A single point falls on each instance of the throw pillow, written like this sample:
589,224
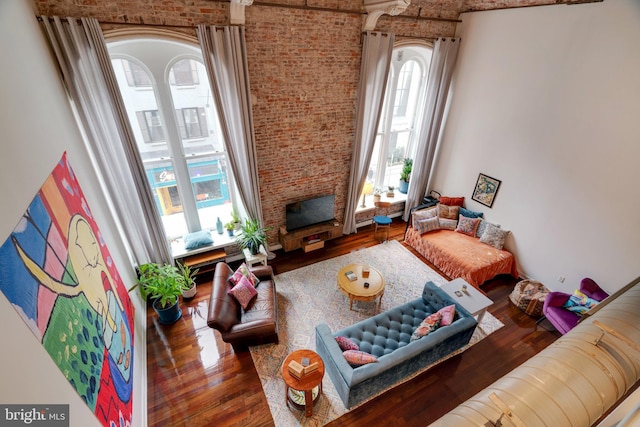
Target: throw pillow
483,226
346,344
471,214
494,236
579,303
428,325
426,225
467,226
197,239
448,224
243,292
452,201
243,271
423,214
357,358
448,313
448,212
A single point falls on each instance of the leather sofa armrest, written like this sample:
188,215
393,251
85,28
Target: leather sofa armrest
224,310
263,272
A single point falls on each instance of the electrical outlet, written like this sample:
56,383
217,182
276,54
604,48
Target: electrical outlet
561,279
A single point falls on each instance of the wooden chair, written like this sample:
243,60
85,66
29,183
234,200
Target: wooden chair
381,218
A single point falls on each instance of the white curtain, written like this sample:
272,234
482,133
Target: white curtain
84,62
377,49
225,58
445,52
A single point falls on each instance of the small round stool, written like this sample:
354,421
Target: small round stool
528,296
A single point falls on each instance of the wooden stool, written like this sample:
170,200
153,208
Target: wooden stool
306,384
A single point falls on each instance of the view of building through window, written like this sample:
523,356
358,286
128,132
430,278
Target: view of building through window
401,114
166,92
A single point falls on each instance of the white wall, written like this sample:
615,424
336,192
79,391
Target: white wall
547,100
36,127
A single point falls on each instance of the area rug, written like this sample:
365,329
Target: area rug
310,295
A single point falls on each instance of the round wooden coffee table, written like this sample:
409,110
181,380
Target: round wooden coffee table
306,389
355,290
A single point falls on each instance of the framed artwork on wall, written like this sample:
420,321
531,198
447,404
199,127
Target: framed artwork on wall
486,189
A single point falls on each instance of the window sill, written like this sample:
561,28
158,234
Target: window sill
396,199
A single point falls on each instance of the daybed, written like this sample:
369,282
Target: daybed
460,255
388,337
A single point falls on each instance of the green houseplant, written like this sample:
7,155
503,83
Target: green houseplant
252,235
162,283
405,175
230,226
189,279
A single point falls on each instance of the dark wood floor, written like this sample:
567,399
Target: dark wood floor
196,379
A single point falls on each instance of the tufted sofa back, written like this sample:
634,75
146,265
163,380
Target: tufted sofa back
392,329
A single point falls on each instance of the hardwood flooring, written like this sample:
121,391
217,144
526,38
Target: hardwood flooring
196,379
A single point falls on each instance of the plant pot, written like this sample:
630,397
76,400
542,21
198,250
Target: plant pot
191,292
403,187
168,315
253,249
230,233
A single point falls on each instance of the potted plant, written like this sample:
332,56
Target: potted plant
377,195
235,219
162,283
230,226
390,191
252,235
405,175
189,278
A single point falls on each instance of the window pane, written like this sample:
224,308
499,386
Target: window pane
211,188
184,73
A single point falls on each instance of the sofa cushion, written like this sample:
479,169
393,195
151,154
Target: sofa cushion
471,214
243,292
359,358
482,225
426,225
243,271
579,303
448,224
448,314
346,344
423,214
427,326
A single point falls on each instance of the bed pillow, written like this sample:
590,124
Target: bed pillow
346,344
471,214
426,225
448,212
243,271
467,226
482,225
243,292
452,201
494,236
197,239
423,214
357,358
447,224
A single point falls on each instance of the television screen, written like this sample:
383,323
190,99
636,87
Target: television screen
309,212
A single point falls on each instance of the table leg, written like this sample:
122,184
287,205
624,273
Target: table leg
308,403
481,315
286,395
350,303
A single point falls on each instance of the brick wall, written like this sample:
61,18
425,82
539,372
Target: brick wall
303,69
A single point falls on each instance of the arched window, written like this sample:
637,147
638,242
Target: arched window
401,113
165,89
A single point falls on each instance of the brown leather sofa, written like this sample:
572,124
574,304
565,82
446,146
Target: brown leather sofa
242,328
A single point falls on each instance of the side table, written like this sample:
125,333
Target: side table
259,258
474,301
306,384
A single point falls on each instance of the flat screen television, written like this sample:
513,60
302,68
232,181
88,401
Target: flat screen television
310,212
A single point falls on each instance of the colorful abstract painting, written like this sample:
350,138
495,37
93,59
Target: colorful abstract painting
57,272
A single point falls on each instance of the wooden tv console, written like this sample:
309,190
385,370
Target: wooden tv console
310,238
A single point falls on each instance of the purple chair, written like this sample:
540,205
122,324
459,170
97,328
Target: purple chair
563,319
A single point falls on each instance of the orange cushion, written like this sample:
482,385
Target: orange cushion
452,201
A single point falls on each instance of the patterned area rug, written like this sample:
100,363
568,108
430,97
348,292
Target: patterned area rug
310,295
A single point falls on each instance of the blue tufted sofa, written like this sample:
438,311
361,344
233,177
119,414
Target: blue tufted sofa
387,336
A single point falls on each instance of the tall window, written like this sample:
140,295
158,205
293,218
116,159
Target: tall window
401,113
177,131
